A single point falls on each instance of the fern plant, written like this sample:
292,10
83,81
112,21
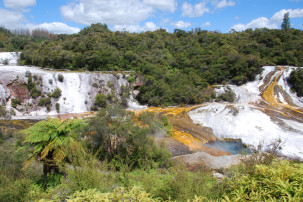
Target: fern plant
51,140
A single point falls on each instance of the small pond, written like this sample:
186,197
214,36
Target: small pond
233,147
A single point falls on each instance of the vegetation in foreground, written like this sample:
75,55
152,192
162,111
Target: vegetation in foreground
114,157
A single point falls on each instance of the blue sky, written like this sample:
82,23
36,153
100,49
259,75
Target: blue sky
69,16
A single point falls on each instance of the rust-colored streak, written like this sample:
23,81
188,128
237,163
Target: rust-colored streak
269,96
185,131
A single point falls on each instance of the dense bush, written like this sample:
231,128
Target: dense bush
44,101
60,77
15,102
279,181
229,96
56,93
296,80
100,100
57,107
117,138
176,66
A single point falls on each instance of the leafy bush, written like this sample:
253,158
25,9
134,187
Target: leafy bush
296,80
58,107
35,92
15,102
60,77
279,181
100,100
56,94
131,79
228,96
119,194
132,146
45,102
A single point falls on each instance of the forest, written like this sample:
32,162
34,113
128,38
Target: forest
177,67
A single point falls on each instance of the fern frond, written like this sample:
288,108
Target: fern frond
59,155
45,152
28,162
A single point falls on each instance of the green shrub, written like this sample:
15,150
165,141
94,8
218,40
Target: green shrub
100,100
228,96
119,194
35,92
60,77
131,79
94,108
58,107
296,80
133,146
56,94
45,102
41,102
15,102
281,181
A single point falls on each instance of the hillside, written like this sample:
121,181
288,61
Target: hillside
177,66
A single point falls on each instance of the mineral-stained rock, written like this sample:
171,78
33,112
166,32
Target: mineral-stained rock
19,90
207,160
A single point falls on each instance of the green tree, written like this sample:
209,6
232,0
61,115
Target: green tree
51,140
118,138
286,22
101,100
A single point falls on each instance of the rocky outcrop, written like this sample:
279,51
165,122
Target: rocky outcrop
78,90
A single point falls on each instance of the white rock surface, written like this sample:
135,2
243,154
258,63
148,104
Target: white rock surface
78,91
245,121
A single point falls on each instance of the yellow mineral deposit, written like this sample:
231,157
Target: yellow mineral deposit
269,95
194,144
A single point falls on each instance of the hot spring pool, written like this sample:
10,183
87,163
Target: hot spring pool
233,147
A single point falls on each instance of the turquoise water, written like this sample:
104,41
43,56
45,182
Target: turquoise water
233,147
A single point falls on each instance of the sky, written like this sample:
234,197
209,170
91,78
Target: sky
70,16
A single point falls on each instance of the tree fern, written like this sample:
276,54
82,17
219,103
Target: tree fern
50,139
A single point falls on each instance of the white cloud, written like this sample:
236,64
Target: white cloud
16,20
260,22
180,24
18,4
196,10
10,19
278,16
273,23
114,12
170,5
222,3
55,28
148,26
206,24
